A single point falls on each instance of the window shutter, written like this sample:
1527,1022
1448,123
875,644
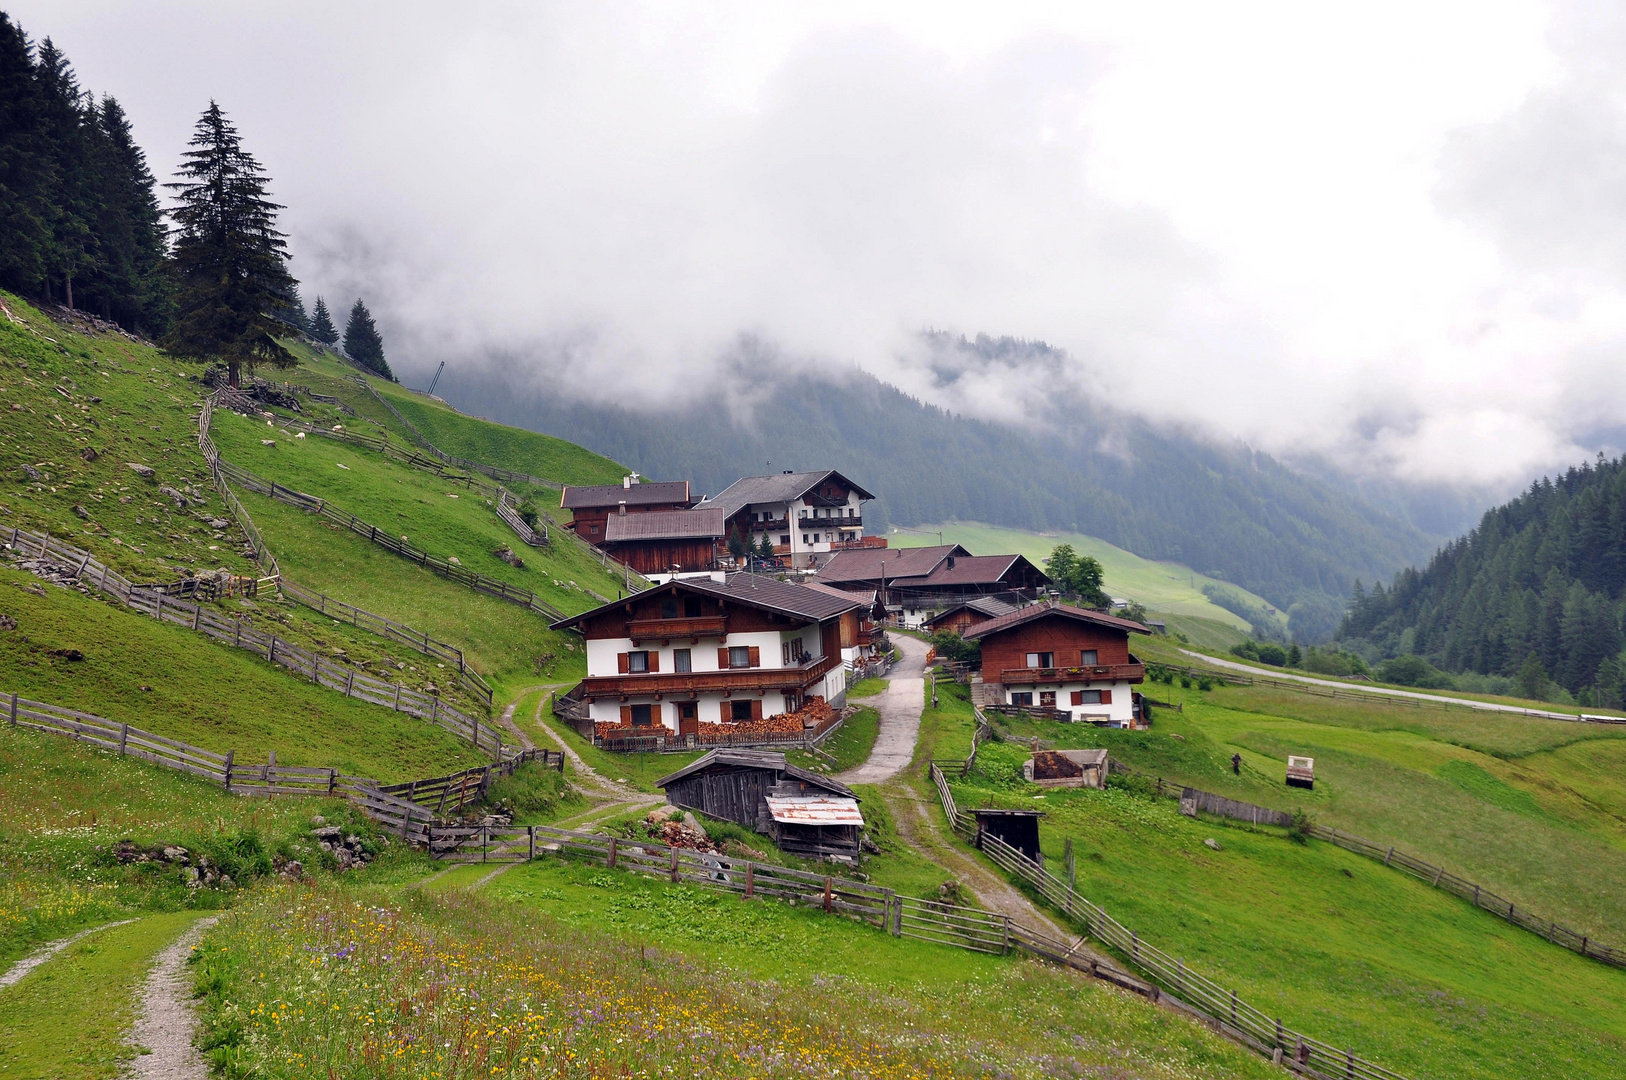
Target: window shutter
626,711
756,706
654,660
756,661
621,662
1106,697
1078,697
722,659
784,654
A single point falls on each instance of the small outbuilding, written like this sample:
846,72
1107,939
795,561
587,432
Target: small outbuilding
1300,772
1066,768
803,812
1018,828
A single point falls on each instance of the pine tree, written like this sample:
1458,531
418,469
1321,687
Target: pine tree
26,172
72,250
229,257
292,311
322,328
362,343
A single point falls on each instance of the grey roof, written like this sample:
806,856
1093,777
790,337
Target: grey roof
658,492
757,759
664,525
982,605
1039,611
753,590
873,564
778,488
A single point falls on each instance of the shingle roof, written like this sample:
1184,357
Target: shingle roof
594,496
971,570
778,488
1039,611
982,605
752,590
664,525
872,564
756,759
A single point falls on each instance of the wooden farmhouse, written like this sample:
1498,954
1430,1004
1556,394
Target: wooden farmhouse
1065,659
803,514
590,506
916,582
865,647
959,618
703,658
802,812
666,541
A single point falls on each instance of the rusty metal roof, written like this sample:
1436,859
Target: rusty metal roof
814,810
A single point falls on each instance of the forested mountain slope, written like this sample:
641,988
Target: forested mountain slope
1543,576
1222,509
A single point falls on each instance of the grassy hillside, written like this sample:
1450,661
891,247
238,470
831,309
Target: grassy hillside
1160,586
1335,944
179,684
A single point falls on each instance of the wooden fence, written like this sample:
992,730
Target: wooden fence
1219,1003
388,628
402,809
1209,803
342,677
1438,877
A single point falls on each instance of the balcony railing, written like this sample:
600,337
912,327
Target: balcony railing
1135,672
710,626
709,682
770,525
830,523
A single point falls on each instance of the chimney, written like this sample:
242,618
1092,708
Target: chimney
622,508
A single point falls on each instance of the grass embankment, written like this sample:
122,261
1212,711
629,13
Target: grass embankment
1161,586
173,682
90,404
1337,945
570,970
67,1019
849,747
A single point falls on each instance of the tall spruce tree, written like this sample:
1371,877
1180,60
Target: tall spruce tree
322,328
362,342
230,259
26,167
292,311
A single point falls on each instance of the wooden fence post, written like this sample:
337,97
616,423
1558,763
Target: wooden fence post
14,708
610,861
124,736
674,870
533,842
229,755
827,894
750,881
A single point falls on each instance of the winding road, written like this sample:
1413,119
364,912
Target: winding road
900,706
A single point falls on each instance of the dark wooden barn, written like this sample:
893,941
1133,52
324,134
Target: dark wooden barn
802,812
1018,828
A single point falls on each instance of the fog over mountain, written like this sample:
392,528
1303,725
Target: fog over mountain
1388,238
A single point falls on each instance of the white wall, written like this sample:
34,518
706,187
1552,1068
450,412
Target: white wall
1120,713
602,652
711,708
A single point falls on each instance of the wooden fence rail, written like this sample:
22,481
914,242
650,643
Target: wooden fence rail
240,634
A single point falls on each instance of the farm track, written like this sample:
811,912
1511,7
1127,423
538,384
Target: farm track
900,707
168,1020
591,781
15,973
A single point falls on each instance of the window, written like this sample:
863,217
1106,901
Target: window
1088,658
1047,699
681,661
669,607
1086,697
804,538
784,541
691,607
637,661
739,710
792,651
1025,698
643,715
1041,659
593,529
739,656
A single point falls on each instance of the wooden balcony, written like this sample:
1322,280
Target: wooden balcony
710,626
1134,672
830,523
682,684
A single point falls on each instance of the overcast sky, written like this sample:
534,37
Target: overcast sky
1395,233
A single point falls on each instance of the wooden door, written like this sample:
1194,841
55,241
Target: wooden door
688,718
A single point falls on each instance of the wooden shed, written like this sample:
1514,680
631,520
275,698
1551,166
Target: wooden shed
1300,772
802,812
1018,828
1066,768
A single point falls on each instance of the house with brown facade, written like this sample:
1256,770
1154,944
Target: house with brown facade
665,541
916,582
1058,657
591,505
958,618
709,658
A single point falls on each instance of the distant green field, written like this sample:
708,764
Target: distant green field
1160,586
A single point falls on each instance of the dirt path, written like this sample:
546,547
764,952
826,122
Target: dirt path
900,708
34,959
168,1022
593,783
507,721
